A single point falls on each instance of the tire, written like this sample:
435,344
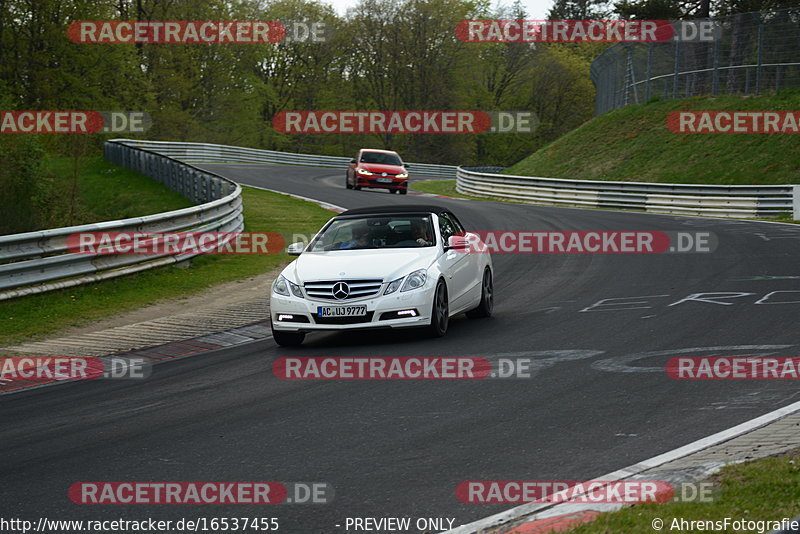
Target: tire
347,183
403,191
486,305
440,311
288,339
356,187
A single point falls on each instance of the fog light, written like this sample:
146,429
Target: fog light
291,318
409,313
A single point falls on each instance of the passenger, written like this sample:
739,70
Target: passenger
419,232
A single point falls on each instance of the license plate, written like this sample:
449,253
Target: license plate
385,180
341,311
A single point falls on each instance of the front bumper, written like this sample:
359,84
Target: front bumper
373,182
304,312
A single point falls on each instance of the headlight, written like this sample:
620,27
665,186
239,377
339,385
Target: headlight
363,171
393,286
402,175
281,286
415,280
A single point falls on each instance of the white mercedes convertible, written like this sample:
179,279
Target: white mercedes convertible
382,267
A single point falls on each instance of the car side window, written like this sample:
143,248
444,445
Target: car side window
446,227
457,224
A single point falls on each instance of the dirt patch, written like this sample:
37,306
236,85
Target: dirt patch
228,293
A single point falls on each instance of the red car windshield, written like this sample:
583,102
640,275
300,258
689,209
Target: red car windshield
381,158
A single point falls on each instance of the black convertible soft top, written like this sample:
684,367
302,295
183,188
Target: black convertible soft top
395,210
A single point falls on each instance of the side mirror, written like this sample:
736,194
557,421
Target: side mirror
406,165
352,161
295,249
456,242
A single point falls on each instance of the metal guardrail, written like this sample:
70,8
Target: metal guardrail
740,201
35,262
211,153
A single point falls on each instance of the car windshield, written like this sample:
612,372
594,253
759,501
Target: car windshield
380,157
377,232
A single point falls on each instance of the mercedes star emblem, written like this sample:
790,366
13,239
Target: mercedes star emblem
341,290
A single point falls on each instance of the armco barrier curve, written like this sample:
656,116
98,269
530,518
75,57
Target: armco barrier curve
742,201
35,262
209,153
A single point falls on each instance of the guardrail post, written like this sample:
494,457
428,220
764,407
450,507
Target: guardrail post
760,55
676,68
648,72
715,76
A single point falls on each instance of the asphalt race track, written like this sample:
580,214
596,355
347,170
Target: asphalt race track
596,402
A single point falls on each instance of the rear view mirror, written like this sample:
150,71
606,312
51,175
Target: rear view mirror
295,249
456,242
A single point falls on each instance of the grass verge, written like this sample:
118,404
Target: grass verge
760,490
634,144
35,316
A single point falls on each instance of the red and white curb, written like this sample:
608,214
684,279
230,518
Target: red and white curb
558,523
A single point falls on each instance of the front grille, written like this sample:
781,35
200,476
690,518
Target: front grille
344,320
356,289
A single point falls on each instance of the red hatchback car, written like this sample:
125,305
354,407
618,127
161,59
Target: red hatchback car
380,169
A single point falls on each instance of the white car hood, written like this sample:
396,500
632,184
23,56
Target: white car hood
388,264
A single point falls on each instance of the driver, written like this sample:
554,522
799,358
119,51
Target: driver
419,232
360,238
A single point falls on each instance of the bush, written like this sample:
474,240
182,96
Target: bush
24,187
